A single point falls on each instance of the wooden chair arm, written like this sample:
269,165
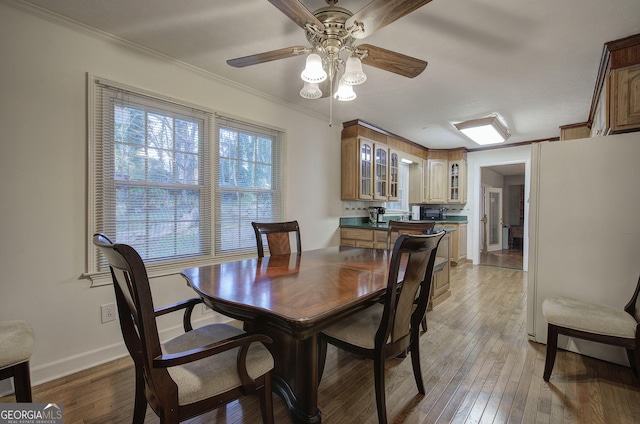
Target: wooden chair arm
241,340
187,305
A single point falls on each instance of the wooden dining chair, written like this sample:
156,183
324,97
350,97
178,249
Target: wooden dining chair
595,322
407,227
385,330
193,373
277,234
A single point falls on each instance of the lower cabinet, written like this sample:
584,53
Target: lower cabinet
458,244
440,284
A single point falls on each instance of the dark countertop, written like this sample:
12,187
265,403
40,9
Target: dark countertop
440,224
363,222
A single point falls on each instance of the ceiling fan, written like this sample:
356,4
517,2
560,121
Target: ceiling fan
332,32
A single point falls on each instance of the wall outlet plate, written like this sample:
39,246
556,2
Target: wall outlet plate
108,312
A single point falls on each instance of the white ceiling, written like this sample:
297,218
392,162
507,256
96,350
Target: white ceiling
533,62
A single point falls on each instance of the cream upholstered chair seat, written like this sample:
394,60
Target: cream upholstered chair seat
594,322
587,316
16,347
214,375
360,329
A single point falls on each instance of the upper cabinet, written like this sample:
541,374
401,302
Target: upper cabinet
370,168
624,105
436,181
394,174
457,181
615,105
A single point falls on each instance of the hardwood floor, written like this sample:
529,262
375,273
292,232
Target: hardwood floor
507,258
477,364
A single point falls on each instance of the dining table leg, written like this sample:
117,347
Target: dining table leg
295,376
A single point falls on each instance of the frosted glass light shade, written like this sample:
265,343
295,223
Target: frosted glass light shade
313,71
345,92
353,74
311,91
484,131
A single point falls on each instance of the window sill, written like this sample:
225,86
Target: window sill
103,278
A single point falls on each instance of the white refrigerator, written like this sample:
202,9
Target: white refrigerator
584,229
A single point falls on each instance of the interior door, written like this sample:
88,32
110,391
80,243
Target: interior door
493,222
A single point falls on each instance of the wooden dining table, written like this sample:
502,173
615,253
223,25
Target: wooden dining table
292,298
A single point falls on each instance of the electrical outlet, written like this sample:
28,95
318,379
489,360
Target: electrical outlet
108,312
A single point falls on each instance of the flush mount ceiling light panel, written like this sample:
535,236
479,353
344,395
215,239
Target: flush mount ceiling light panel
334,62
489,130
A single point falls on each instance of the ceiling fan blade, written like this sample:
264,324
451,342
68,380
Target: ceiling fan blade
380,13
388,60
255,59
298,13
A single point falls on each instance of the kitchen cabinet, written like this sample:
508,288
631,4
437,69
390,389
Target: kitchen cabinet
381,168
458,244
436,181
357,237
394,175
440,283
369,170
457,180
624,101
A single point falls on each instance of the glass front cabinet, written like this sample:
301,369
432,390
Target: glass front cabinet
370,170
457,192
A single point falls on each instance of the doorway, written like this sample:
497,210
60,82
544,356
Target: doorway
502,216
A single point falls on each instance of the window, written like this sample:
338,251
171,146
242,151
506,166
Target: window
157,168
150,178
402,205
248,184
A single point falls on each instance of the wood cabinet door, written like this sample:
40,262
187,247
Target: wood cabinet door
457,181
624,104
381,172
394,175
365,175
437,181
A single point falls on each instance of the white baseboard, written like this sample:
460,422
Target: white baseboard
57,369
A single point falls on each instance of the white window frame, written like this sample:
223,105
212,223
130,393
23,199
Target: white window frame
100,277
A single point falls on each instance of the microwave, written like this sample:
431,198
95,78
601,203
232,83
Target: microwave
432,214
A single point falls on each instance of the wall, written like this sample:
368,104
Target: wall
43,178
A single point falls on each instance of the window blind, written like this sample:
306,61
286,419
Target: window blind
151,174
248,183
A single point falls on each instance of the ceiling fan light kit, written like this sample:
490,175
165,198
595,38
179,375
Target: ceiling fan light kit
345,92
332,32
313,71
311,91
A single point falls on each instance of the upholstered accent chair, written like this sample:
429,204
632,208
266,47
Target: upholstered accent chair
595,322
195,372
277,234
16,346
386,330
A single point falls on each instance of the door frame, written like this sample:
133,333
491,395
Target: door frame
477,198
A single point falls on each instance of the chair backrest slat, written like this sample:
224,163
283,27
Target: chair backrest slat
277,235
407,227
